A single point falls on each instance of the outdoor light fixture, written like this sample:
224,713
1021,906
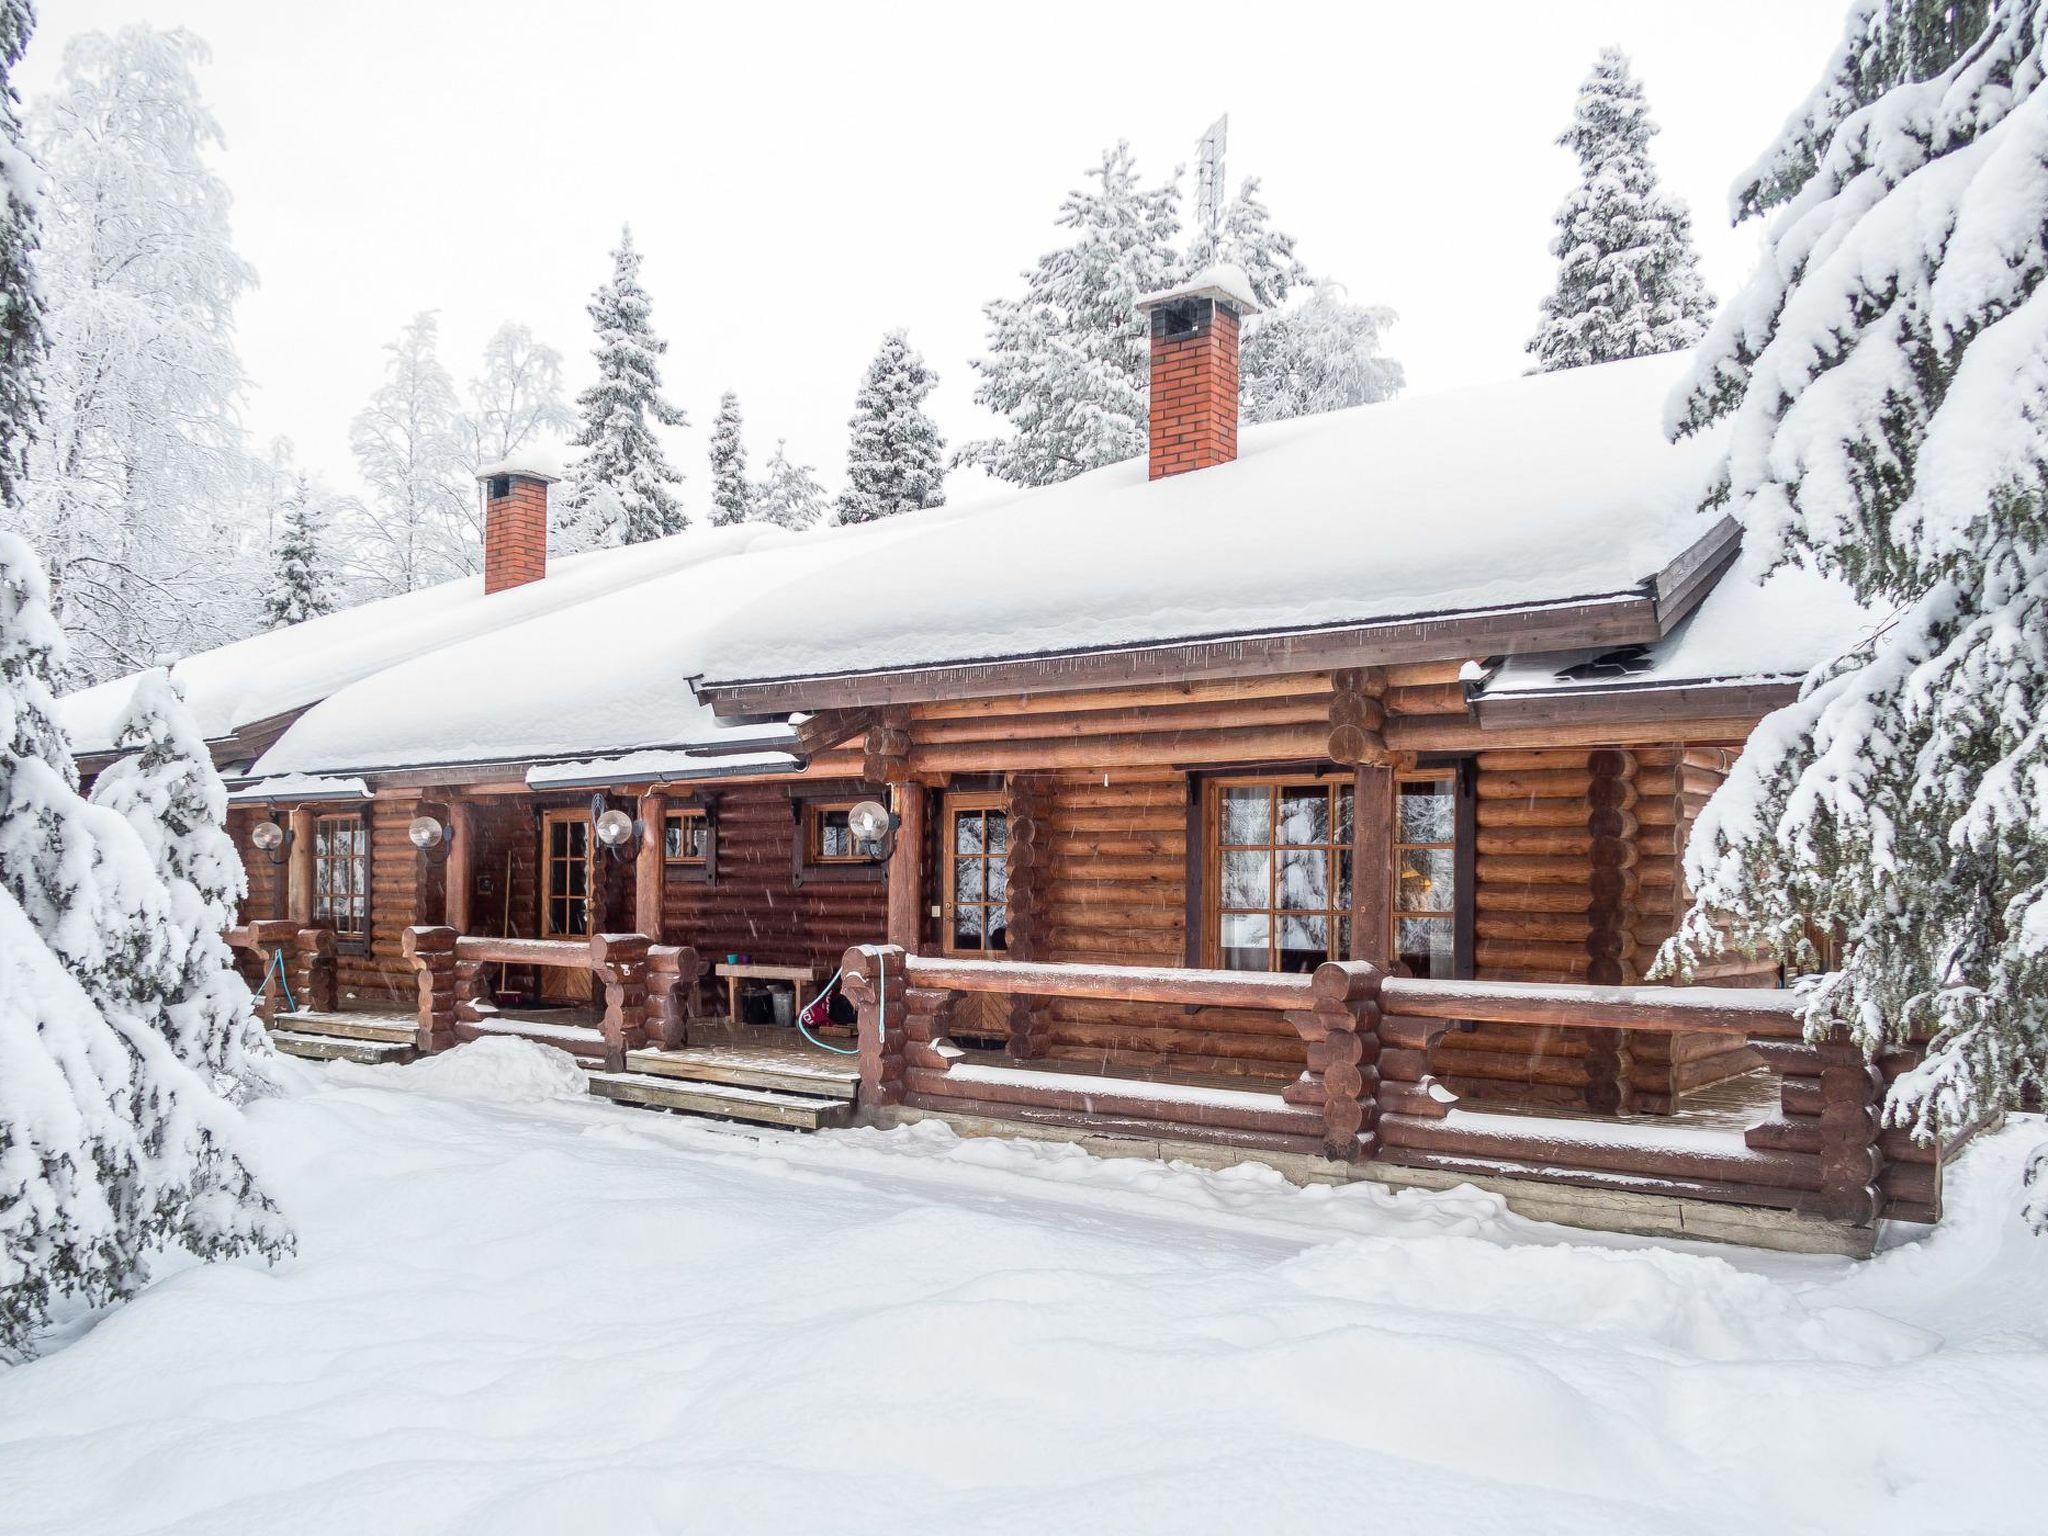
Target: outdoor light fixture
873,822
613,828
272,841
427,833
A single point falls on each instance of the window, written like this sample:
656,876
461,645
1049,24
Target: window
1281,873
1425,904
977,875
829,840
565,874
341,873
687,838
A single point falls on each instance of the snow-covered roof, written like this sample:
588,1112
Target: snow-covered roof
271,674
656,767
542,461
1744,631
607,676
299,787
1537,490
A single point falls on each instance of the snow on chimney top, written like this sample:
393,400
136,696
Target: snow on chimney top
515,520
1194,369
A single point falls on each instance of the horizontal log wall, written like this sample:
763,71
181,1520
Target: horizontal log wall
756,908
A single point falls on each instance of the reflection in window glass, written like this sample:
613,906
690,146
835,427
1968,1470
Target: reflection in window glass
1282,867
978,879
1426,874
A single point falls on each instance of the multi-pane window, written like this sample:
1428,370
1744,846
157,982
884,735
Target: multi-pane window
565,875
1425,903
1282,862
686,838
828,839
341,873
977,876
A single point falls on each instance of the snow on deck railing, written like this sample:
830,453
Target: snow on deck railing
1366,1091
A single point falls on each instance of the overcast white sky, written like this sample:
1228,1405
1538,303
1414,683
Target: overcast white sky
802,179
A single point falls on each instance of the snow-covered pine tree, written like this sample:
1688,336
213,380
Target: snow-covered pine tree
1068,364
622,488
22,336
1628,281
410,444
166,788
895,458
1246,239
111,1147
134,490
1320,354
789,494
1884,376
301,583
732,494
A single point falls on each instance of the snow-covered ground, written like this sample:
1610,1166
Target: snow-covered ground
518,1310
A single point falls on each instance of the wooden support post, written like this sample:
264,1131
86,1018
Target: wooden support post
313,980
619,962
298,904
1851,1161
650,867
1343,1047
673,972
1610,946
461,872
905,924
873,977
1372,864
432,953
1029,811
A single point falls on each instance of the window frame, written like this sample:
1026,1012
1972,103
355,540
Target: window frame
356,939
551,817
806,809
954,803
702,867
1213,791
1460,773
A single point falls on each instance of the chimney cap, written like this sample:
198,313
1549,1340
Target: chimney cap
1221,281
533,463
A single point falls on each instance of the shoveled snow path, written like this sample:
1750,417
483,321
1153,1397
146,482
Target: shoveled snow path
517,1310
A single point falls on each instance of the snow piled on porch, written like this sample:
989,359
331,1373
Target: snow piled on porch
517,1310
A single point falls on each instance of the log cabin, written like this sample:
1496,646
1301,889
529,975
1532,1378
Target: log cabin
1314,791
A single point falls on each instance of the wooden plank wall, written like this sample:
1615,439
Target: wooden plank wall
757,908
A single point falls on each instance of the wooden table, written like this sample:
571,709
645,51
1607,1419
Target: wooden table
798,976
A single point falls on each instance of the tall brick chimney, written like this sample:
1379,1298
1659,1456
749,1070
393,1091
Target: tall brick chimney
1194,369
515,523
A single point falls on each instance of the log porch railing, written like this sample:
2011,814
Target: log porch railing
1367,1092
309,963
646,986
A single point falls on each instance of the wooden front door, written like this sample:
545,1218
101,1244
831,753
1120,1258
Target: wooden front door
974,840
566,892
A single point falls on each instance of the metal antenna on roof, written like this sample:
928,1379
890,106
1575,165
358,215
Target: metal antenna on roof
1209,177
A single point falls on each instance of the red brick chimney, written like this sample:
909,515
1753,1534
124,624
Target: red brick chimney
1194,369
515,523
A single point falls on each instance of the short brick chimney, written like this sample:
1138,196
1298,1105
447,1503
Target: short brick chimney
515,523
1194,369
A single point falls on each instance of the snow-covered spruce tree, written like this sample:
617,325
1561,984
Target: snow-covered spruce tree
166,788
134,490
622,488
895,458
732,494
23,339
1628,281
789,494
1885,380
111,1147
1246,239
301,582
419,526
516,402
1068,363
1320,354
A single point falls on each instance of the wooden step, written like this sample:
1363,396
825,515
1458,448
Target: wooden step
577,1039
336,1048
723,1101
710,1065
393,1029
